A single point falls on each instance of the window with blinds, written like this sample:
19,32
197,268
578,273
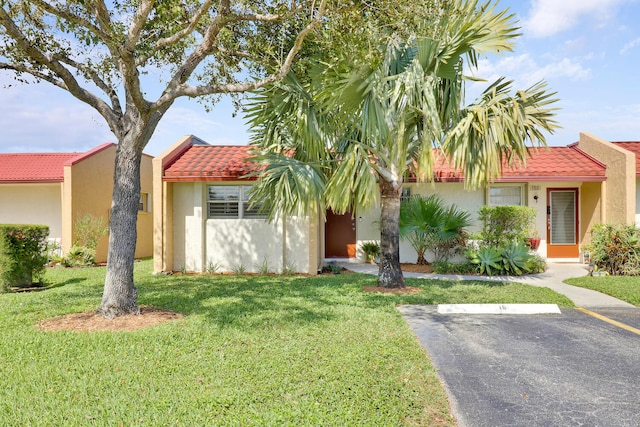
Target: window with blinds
505,195
231,202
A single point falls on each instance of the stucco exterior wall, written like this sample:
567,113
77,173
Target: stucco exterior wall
32,204
638,202
88,189
199,242
620,191
589,210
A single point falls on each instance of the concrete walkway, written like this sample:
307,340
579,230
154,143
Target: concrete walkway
552,278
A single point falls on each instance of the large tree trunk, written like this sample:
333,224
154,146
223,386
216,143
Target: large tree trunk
390,273
120,296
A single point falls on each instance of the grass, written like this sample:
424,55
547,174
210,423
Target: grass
626,288
251,351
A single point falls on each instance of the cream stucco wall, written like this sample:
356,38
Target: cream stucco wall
230,243
367,228
32,204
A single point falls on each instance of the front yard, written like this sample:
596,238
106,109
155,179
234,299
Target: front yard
250,350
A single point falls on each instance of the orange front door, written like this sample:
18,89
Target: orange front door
339,236
562,223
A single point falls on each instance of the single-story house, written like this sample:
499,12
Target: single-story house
202,220
56,189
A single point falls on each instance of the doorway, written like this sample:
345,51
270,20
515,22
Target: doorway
339,235
562,223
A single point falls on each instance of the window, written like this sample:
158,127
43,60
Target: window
231,202
143,204
504,195
406,194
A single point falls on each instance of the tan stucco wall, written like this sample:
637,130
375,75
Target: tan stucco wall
590,209
620,190
163,243
88,188
32,204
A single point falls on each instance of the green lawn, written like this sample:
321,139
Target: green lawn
262,351
626,288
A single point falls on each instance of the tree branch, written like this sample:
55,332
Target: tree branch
176,88
81,22
167,41
70,83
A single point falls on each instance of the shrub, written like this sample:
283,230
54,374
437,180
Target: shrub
79,256
487,259
370,250
503,224
88,230
23,254
615,248
430,225
513,259
445,267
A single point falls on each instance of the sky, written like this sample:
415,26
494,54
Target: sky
588,51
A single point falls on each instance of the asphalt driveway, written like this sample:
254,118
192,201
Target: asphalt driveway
568,369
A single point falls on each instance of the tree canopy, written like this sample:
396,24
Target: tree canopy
130,60
346,134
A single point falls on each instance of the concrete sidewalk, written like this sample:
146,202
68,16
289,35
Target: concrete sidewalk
552,278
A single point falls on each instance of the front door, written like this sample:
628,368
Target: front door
339,236
562,223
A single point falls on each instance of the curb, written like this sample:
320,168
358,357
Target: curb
498,309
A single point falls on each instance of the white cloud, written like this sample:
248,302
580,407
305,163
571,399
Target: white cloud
628,46
40,118
549,17
525,71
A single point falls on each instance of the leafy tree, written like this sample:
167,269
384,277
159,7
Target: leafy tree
428,224
345,134
131,60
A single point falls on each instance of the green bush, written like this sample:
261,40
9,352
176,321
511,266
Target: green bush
23,254
513,258
503,224
88,230
371,250
615,248
80,256
445,267
428,224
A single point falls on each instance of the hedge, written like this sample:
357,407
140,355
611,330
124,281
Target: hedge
23,254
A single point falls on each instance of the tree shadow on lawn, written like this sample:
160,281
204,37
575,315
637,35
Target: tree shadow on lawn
230,301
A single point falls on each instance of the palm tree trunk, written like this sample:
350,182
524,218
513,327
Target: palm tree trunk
390,273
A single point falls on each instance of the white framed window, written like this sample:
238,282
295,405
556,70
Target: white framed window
144,205
231,202
505,195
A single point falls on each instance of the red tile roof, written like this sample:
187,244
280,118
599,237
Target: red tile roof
634,147
228,163
40,167
33,167
210,163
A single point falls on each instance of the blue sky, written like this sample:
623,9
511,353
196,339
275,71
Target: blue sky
587,50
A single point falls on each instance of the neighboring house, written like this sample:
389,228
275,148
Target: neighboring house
202,220
56,189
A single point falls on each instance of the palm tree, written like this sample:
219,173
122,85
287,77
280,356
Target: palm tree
430,225
345,134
